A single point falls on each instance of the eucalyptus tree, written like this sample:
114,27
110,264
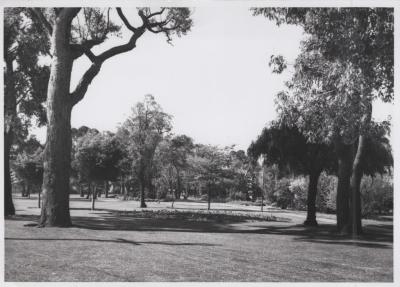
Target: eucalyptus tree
74,32
25,84
145,129
346,63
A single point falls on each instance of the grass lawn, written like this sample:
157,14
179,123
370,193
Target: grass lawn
118,242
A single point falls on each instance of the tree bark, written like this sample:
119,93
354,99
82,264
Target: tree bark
311,199
106,188
57,153
142,189
89,191
81,194
94,195
10,113
344,153
355,199
209,198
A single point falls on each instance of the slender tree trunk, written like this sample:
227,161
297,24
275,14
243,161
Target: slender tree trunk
81,194
209,197
311,199
8,202
28,190
10,114
57,153
23,190
89,191
39,198
142,189
106,188
342,197
355,199
94,196
178,185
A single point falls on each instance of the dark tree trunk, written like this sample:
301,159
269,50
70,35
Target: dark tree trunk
39,198
94,196
81,194
89,191
209,197
311,219
344,153
10,113
28,190
178,185
57,153
9,208
106,188
355,199
142,194
23,189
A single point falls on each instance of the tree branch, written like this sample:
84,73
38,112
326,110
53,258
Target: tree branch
126,22
81,49
84,83
156,13
39,15
121,48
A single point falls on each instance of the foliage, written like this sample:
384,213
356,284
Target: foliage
288,148
96,157
377,195
28,167
143,131
24,45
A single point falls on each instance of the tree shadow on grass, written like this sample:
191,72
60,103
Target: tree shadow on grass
373,237
118,240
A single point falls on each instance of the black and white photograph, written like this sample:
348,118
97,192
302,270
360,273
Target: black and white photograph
195,142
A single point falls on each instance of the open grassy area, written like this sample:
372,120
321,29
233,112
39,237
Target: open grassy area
118,242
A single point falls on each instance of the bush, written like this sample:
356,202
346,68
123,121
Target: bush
377,195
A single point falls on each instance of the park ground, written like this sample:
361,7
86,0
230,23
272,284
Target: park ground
119,242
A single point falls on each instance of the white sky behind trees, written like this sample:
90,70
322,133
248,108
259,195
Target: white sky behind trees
215,81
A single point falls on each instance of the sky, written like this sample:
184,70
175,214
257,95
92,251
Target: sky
215,81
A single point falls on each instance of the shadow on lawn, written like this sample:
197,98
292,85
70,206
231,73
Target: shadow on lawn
375,236
118,240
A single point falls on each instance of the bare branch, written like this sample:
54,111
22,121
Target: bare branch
39,15
156,13
126,22
84,83
121,48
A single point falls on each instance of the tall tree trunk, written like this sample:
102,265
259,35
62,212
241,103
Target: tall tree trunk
39,198
23,190
106,188
178,185
10,106
57,153
355,199
94,196
89,191
28,193
81,194
311,199
142,194
344,153
209,197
